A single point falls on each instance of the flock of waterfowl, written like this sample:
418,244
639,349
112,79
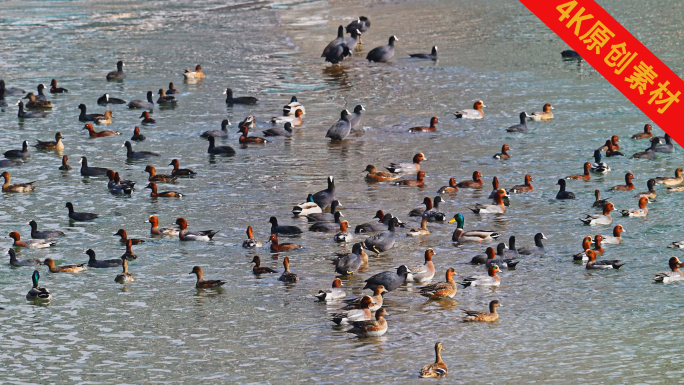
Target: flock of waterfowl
354,313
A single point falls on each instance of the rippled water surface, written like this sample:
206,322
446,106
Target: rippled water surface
559,324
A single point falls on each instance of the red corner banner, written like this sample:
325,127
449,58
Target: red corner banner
619,57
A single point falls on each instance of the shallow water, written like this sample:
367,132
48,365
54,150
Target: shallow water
559,322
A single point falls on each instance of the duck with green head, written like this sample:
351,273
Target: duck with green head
38,293
479,236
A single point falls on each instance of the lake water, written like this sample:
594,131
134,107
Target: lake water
559,322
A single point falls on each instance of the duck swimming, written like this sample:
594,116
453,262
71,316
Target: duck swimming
438,369
306,208
475,183
492,280
50,145
432,127
379,176
644,135
546,113
424,272
38,293
64,268
441,290
483,316
601,265
251,242
93,134
450,189
185,235
125,276
156,230
370,328
30,244
17,263
671,276
294,105
277,247
205,283
287,275
474,113
504,153
196,74
258,269
17,187
603,219
642,211
628,186
497,208
335,293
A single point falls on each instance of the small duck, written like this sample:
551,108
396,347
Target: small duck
258,269
601,265
185,235
196,74
17,263
628,186
205,284
537,249
17,187
614,146
306,208
585,176
483,316
644,135
172,89
105,99
520,127
418,182
407,168
376,297
125,276
124,238
65,166
286,230
642,211
343,236
295,120
504,153
56,90
118,187
599,167
240,99
35,103
223,132
77,216
603,219
674,275
104,119
335,293
562,194
473,236
137,136
177,171
610,149
128,254
475,113
671,181
64,268
523,188
651,193
93,134
546,113
438,369
617,236
361,312
586,245
450,189
292,107
101,264
379,176
287,275
245,138
30,244
154,177
251,242
145,116
165,194
279,248
424,272
497,208
165,99
370,328
492,280
420,231
118,74
219,150
433,127
38,293
350,263
475,183
420,211
50,145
